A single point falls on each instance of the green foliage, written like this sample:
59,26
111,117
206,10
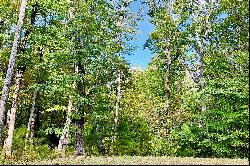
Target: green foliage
73,50
134,137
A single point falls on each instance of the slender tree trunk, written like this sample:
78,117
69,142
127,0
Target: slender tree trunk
118,99
167,86
79,146
11,115
65,132
80,122
19,74
117,107
119,23
31,122
8,77
168,7
201,51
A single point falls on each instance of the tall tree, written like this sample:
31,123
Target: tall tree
12,114
19,76
165,41
12,60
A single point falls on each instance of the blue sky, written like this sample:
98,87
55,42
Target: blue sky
141,57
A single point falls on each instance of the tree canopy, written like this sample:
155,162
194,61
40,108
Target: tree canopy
70,80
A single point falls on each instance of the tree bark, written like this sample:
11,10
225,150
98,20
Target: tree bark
79,140
11,115
79,122
119,23
118,99
19,74
9,74
31,122
167,85
65,132
79,146
201,51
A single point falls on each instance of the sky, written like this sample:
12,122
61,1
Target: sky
141,57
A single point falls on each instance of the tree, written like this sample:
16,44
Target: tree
5,91
166,42
11,115
19,75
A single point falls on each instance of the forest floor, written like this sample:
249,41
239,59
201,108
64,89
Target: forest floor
139,160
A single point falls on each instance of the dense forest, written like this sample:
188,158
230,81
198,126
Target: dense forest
65,82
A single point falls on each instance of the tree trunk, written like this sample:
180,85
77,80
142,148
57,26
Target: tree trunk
167,86
79,146
8,77
31,122
119,23
19,74
118,99
117,107
80,122
11,115
79,140
201,51
65,132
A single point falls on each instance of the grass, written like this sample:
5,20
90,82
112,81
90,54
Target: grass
138,160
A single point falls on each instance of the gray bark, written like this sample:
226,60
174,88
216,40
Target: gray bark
167,85
65,132
11,115
201,51
19,75
118,100
31,122
168,5
9,74
119,23
202,45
